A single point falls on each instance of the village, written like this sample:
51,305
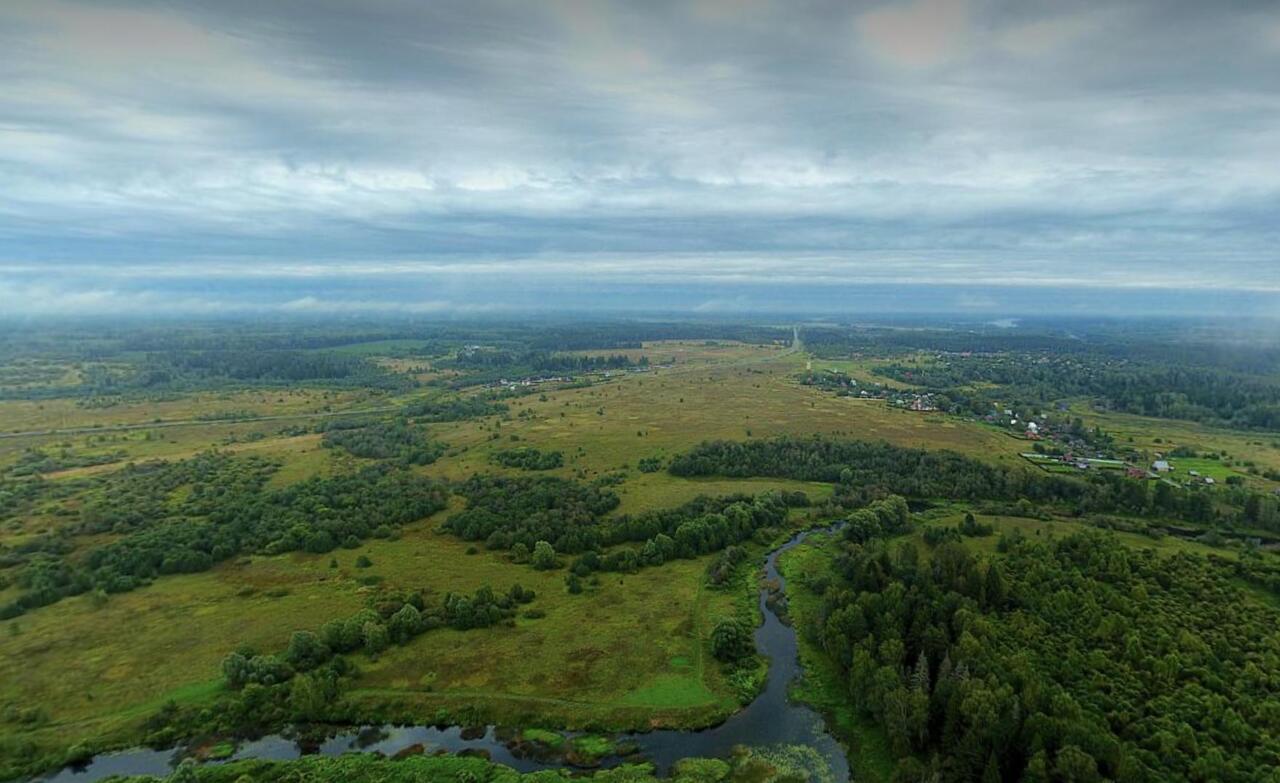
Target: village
846,386
1059,444
533,383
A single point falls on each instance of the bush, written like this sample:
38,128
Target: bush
649,465
529,458
544,556
731,641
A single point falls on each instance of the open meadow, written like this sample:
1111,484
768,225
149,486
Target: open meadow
103,665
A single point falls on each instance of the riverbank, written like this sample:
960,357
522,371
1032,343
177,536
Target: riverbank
821,685
771,723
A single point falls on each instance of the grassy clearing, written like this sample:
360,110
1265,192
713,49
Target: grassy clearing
582,664
864,371
95,671
661,413
583,660
1216,469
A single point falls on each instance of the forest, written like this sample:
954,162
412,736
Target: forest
863,469
141,360
398,440
1207,382
1173,392
1077,659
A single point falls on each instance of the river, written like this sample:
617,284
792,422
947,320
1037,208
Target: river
771,721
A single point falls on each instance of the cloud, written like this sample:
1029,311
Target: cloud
311,304
25,300
737,304
918,34
612,142
54,300
976,301
1050,35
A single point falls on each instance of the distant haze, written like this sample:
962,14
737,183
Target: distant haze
467,158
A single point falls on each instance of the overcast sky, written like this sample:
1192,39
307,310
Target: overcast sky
465,157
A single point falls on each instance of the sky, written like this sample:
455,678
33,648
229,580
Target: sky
476,157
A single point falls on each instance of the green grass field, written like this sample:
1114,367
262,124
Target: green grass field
581,664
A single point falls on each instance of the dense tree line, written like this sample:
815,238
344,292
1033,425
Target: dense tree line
865,470
291,366
181,371
701,526
538,519
141,494
1071,660
1150,368
695,526
21,494
396,440
1171,342
528,458
887,341
488,365
601,336
219,518
873,466
140,358
505,511
455,409
886,517
540,361
395,620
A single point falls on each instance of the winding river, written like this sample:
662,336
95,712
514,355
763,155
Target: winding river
770,721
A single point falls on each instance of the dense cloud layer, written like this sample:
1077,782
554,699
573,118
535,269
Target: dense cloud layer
212,155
